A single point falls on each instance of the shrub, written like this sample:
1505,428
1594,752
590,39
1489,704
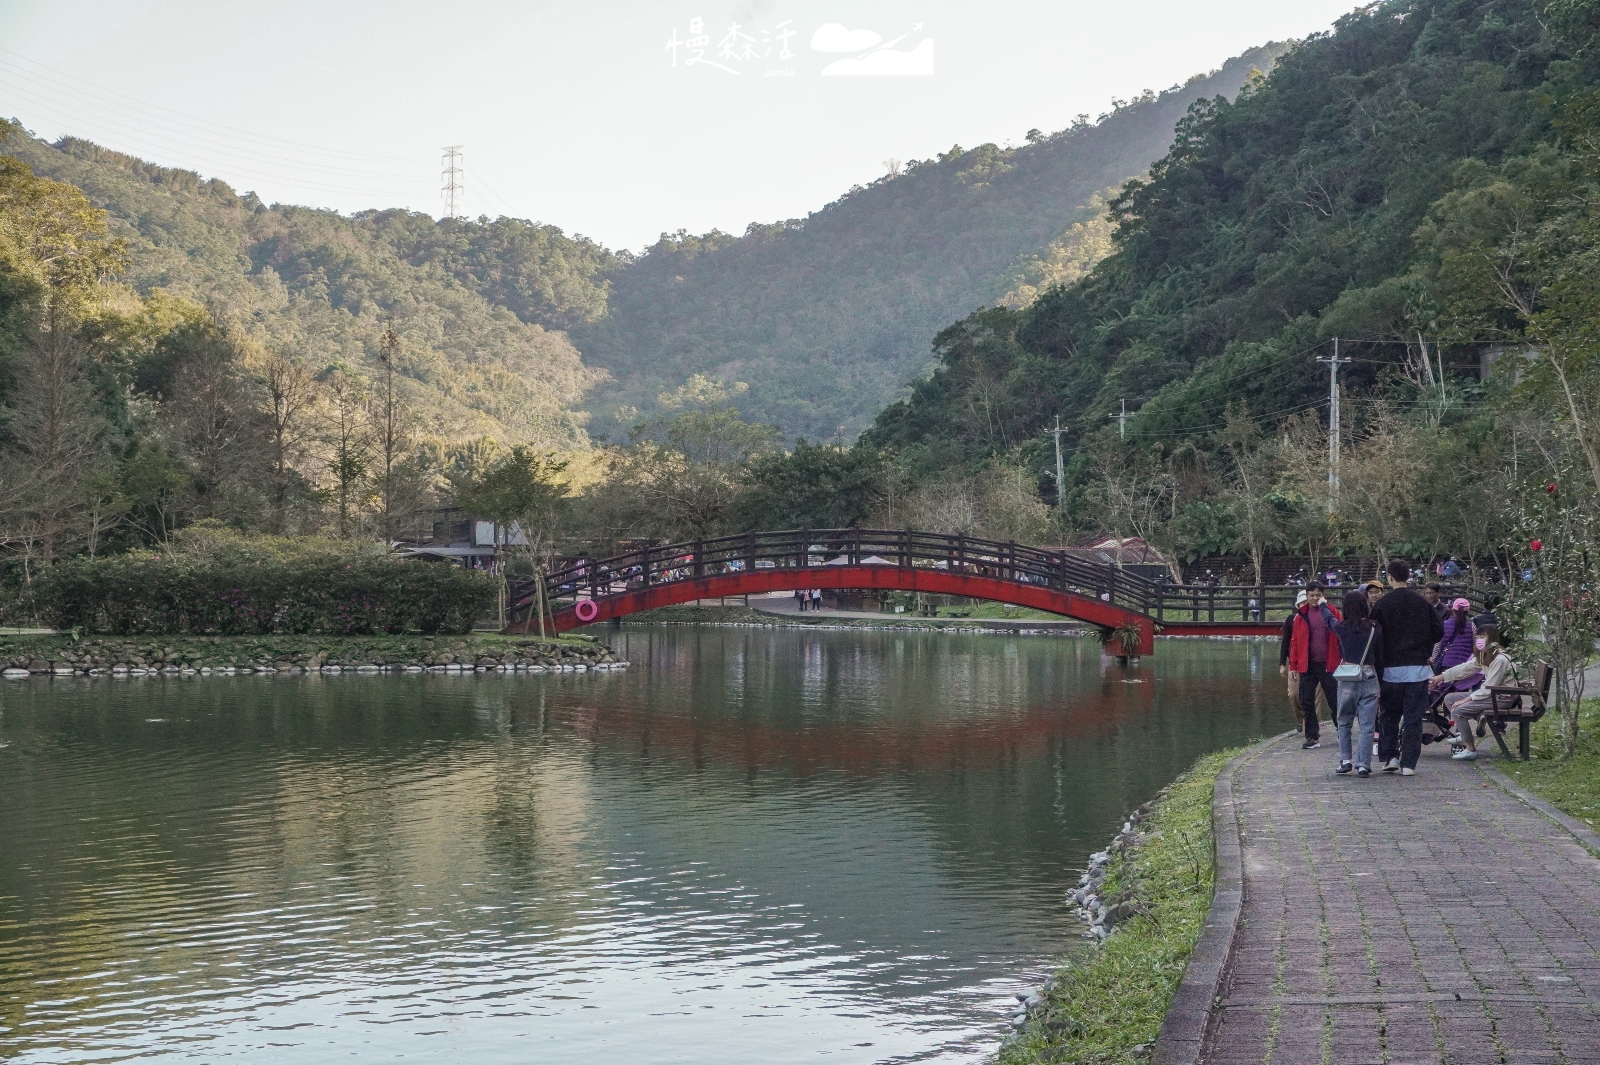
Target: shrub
213,582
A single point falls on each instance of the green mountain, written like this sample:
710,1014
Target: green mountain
1325,201
480,308
827,317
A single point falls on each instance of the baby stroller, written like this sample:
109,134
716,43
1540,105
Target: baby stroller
1436,724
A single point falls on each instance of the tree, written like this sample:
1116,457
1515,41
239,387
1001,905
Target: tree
54,251
390,432
687,471
1131,495
1558,526
287,396
54,426
347,436
1380,483
524,493
1251,498
815,486
205,403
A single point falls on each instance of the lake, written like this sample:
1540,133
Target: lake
754,845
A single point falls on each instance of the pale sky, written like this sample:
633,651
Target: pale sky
574,113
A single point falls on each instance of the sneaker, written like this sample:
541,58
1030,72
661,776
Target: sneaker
1344,767
1310,745
1465,755
1408,772
1363,772
1391,765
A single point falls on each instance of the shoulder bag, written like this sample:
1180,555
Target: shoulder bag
1358,670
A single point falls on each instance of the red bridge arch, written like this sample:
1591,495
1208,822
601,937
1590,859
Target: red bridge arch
1056,580
889,578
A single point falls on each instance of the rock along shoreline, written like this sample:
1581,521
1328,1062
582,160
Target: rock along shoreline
61,656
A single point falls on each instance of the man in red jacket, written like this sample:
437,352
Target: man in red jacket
1314,655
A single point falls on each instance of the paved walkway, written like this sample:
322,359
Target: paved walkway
1435,918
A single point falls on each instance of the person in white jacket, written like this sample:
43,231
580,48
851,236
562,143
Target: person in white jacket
1466,707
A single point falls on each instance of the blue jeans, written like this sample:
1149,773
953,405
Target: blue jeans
1400,723
1358,706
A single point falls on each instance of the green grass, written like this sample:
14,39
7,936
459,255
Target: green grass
1573,786
1112,997
998,611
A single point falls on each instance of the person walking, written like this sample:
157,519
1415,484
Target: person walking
1314,654
1285,638
1410,631
1357,674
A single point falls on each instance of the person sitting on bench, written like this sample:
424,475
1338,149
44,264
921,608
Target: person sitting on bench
1466,707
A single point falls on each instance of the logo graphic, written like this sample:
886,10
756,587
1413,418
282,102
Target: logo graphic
876,60
766,50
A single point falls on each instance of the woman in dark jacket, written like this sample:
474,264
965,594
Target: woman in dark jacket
1359,640
1457,646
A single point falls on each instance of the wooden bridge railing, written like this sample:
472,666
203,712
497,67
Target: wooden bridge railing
591,578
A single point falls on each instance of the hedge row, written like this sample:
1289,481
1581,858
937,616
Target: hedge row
292,592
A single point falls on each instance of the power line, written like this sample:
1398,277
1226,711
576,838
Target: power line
144,107
275,168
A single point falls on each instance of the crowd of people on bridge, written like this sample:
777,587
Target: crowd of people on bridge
1380,659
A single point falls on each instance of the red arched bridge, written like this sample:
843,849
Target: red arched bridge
1129,610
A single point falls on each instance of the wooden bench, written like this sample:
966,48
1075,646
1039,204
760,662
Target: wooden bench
1519,704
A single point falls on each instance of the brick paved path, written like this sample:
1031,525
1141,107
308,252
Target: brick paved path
1434,918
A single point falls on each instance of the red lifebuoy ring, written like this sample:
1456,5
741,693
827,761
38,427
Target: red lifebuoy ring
586,610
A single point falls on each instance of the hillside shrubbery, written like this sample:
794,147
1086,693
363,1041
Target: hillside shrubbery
214,583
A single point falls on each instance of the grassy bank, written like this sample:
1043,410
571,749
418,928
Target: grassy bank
1107,1004
1572,786
41,654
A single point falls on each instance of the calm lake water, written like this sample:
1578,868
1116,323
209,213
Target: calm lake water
753,846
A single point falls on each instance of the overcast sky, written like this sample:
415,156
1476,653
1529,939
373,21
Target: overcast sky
594,115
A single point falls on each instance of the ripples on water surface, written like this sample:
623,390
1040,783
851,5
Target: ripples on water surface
753,846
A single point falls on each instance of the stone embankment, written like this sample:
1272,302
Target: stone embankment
1088,905
62,656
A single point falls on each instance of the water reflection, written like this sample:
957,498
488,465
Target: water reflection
750,846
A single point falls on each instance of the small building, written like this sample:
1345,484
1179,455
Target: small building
454,535
1132,553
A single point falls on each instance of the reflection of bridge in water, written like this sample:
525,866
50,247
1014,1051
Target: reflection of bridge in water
1128,609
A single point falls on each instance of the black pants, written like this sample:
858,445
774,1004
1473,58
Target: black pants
1400,709
1316,673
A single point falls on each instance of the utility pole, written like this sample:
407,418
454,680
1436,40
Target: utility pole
1333,425
1122,420
1061,488
389,427
455,187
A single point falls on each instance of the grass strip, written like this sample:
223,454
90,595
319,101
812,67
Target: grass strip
1573,786
1107,1003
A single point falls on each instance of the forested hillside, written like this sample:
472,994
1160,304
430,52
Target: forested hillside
478,307
828,317
1336,198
